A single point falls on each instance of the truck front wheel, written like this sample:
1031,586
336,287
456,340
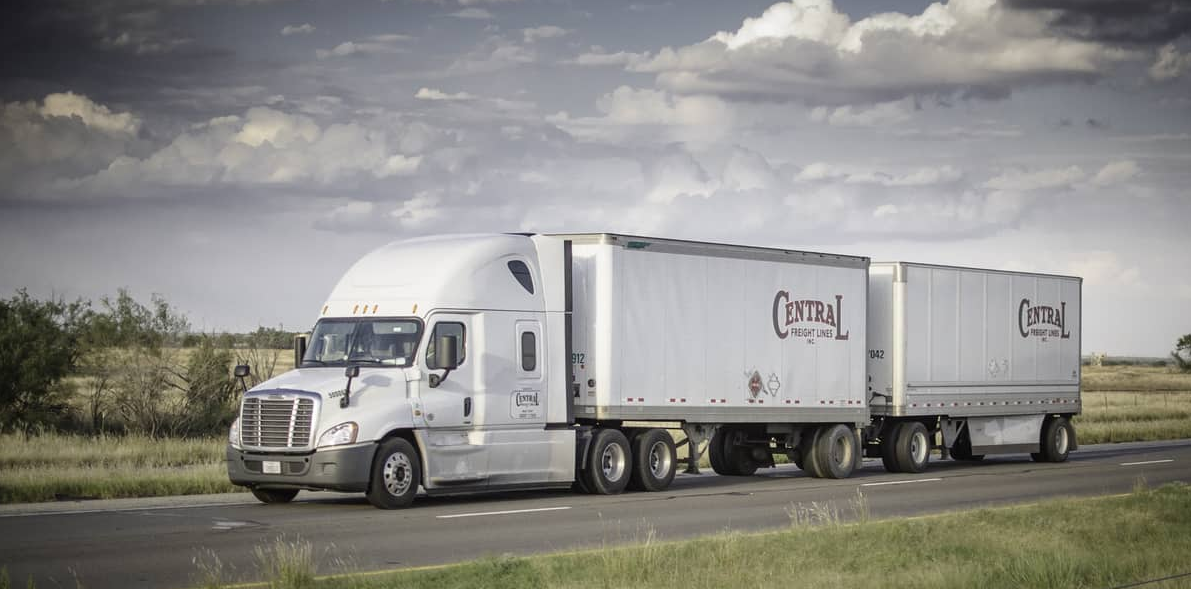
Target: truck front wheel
396,474
607,471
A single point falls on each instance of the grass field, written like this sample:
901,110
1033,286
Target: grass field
1120,404
1132,538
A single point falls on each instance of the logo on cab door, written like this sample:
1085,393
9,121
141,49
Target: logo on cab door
808,318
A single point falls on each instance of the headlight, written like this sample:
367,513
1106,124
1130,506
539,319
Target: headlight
344,433
233,436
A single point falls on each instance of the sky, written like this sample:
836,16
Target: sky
237,156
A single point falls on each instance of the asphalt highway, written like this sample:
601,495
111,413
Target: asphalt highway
152,542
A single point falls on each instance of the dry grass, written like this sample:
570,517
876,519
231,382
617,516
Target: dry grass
1135,378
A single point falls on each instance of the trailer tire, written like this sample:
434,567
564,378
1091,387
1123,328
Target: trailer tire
835,452
715,454
608,464
810,459
270,496
889,448
655,460
962,450
1057,438
738,459
396,474
912,447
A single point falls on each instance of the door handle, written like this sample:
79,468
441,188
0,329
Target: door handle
467,407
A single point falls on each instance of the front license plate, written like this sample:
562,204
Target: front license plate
271,467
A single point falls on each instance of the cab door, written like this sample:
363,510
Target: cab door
455,456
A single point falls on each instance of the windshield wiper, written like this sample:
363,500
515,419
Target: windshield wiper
371,359
314,362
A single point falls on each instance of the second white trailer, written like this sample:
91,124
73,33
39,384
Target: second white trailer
988,361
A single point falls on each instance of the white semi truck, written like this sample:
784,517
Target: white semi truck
468,363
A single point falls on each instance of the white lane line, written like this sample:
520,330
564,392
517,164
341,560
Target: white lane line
509,512
1147,462
899,482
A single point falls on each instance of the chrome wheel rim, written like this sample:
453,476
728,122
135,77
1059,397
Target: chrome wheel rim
612,462
918,447
1061,440
398,473
659,460
841,451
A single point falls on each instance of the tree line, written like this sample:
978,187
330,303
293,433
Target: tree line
120,366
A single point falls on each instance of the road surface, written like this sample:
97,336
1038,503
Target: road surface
134,543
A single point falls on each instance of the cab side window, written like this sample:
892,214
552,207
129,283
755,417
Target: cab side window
447,328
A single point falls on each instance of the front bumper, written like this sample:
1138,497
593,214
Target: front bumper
338,469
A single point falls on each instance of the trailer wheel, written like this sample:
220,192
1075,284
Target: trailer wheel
962,450
912,447
654,460
737,459
396,474
274,495
1057,438
889,448
808,445
607,471
715,454
835,452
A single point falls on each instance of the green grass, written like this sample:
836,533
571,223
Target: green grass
1093,543
51,466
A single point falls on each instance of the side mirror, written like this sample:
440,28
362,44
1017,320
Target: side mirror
445,352
300,342
242,370
352,371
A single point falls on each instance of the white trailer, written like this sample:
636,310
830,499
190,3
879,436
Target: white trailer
460,364
986,361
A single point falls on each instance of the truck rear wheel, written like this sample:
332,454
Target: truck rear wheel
835,452
810,462
274,495
654,460
911,447
396,474
607,471
1057,438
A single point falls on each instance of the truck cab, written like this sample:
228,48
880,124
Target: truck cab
437,362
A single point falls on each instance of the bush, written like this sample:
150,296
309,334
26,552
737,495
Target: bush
40,343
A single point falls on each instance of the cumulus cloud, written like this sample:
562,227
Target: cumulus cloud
644,113
96,116
1116,173
885,113
436,94
1169,63
302,29
375,44
921,176
473,13
810,51
1044,179
532,35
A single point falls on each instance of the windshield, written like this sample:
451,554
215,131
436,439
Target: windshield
380,342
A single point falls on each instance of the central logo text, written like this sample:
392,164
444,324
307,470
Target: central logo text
787,314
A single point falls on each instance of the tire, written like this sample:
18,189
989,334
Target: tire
810,459
608,463
962,450
1057,439
715,454
738,460
912,447
835,452
889,448
270,496
396,474
655,460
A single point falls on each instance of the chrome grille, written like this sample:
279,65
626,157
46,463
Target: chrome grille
277,422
